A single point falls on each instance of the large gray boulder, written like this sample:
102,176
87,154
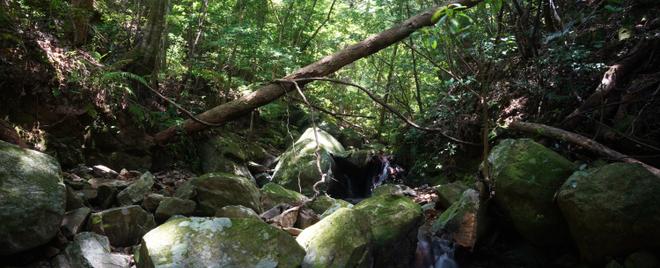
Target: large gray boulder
90,250
213,191
527,175
612,210
123,225
343,239
297,166
32,198
394,222
218,242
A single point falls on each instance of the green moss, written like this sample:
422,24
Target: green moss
273,194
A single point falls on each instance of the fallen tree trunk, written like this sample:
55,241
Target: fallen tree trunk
580,140
327,65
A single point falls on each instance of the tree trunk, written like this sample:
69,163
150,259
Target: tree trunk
145,57
327,65
82,12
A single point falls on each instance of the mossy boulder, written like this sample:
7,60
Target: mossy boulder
32,198
394,221
342,239
612,210
124,226
273,194
171,206
449,193
237,211
464,220
218,242
325,205
213,191
225,153
527,175
297,166
135,192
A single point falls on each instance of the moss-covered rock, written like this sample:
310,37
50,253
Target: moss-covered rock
394,221
297,166
135,192
123,225
464,220
612,210
393,189
171,206
225,153
526,176
237,211
218,242
342,239
273,194
449,193
32,198
325,205
216,190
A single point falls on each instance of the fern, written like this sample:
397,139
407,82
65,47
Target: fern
123,76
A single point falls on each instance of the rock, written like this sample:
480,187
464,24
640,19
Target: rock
90,250
526,177
123,225
135,192
325,205
74,220
237,211
449,193
73,199
394,222
298,164
218,242
612,210
393,189
216,190
186,191
273,194
32,198
641,259
151,201
105,196
171,206
225,154
464,220
104,172
342,239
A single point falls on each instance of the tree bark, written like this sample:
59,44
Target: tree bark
82,12
580,140
325,66
145,57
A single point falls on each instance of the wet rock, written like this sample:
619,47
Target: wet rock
237,211
123,225
526,177
325,205
151,201
218,242
449,193
134,193
74,220
342,239
612,210
297,166
90,250
216,190
32,198
464,220
171,206
273,194
394,222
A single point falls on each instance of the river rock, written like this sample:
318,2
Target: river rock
216,190
151,201
526,176
135,192
237,211
171,206
218,242
90,250
464,220
342,239
612,210
123,225
297,166
394,221
32,198
449,193
74,220
273,194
